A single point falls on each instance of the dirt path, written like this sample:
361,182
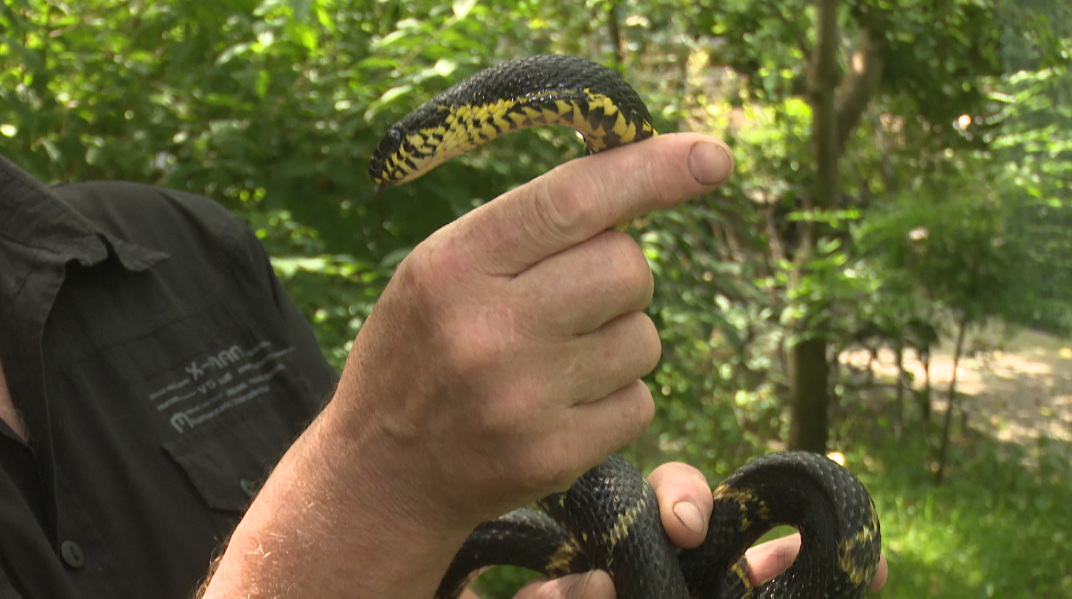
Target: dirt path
1022,392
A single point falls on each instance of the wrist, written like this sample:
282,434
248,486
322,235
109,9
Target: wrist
330,522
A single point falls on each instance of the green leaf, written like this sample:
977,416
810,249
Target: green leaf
463,7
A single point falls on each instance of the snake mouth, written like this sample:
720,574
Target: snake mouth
378,167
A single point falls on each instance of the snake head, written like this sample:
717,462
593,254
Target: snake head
381,165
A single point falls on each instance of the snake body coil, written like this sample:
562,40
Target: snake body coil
609,519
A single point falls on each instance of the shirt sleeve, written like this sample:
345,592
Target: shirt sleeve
322,377
6,590
252,260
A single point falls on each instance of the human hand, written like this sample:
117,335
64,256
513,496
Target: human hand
502,361
504,358
685,504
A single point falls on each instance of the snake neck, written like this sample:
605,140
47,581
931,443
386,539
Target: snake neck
460,128
537,90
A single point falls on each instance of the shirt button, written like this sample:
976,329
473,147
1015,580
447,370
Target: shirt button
72,554
249,487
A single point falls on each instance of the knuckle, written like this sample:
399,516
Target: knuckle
428,277
645,412
635,270
638,410
564,205
649,346
441,262
508,416
552,473
555,460
411,272
476,342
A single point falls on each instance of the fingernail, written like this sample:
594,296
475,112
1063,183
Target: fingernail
710,163
690,516
577,589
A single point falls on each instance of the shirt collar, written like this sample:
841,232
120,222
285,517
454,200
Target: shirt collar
32,216
39,235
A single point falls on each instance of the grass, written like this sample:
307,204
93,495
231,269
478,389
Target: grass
999,526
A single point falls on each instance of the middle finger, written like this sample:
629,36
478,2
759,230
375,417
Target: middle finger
584,287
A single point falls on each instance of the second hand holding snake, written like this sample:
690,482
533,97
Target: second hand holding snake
609,518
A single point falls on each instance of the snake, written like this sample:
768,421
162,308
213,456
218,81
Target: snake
609,518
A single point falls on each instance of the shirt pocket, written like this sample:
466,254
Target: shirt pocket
228,459
221,393
228,414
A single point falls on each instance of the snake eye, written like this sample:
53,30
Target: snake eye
387,147
392,138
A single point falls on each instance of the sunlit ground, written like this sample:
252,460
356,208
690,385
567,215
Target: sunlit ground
1001,523
1022,392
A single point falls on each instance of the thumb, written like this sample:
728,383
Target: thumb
584,197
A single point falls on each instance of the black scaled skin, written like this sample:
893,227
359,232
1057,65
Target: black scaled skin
547,89
840,534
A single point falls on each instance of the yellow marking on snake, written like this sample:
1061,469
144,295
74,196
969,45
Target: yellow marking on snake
560,561
624,524
743,497
463,127
741,574
848,546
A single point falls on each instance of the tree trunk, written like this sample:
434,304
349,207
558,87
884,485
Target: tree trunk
899,422
614,32
808,428
943,448
924,396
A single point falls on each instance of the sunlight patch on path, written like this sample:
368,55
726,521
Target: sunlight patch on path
1023,393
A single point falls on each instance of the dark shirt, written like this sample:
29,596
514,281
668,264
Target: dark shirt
160,370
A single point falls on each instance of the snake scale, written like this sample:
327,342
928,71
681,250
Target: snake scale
609,518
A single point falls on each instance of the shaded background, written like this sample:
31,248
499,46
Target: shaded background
901,211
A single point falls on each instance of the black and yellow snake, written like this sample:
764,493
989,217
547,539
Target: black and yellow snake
609,518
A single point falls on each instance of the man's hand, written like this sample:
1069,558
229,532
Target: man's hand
504,358
501,362
685,505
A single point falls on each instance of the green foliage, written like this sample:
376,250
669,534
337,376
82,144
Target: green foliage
1034,169
952,244
936,56
717,335
955,195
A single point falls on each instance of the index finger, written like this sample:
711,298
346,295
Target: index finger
767,560
584,197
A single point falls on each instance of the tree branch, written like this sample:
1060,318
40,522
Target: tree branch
615,32
858,86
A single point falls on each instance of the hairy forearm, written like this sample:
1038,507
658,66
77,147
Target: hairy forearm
313,533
